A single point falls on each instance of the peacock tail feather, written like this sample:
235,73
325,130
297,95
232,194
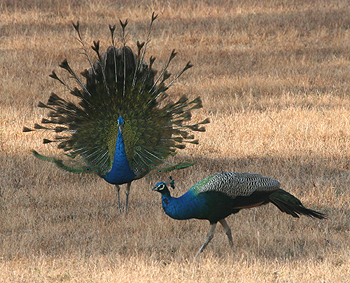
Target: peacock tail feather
291,205
119,84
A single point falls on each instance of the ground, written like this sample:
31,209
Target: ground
274,80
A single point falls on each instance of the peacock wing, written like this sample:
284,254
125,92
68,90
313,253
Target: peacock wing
238,184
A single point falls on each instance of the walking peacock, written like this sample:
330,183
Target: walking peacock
122,125
222,194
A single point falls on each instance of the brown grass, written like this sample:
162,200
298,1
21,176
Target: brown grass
273,76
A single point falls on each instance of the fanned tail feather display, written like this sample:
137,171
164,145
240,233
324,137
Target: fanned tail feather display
119,83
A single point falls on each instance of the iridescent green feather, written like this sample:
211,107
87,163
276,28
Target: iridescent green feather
200,184
119,83
59,163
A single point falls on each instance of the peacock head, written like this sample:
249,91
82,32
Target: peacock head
162,187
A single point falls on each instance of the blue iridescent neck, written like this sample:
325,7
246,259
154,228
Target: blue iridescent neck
121,172
187,206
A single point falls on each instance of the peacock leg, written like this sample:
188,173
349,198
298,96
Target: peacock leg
127,191
228,232
210,236
118,198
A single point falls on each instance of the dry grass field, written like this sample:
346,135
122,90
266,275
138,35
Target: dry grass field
274,78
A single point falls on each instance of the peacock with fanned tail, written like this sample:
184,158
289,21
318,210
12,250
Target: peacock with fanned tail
123,125
222,194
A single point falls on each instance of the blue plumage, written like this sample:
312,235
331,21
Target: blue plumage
221,194
185,207
120,172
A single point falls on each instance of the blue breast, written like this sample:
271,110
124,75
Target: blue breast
121,172
189,205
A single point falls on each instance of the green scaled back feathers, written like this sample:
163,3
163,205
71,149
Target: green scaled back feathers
119,83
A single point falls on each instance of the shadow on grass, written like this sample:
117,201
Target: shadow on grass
44,210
